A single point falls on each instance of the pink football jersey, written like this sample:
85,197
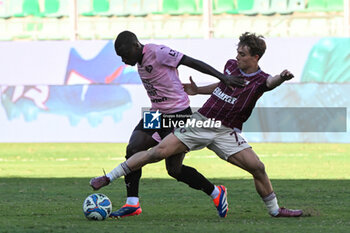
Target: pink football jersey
160,78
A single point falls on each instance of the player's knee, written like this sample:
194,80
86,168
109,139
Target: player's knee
157,153
131,150
259,169
174,171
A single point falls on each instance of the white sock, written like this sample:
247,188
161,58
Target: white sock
132,200
215,192
271,203
121,170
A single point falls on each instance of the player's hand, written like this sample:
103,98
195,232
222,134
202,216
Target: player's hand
235,81
286,75
190,88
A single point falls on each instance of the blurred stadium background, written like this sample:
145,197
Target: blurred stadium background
62,82
101,19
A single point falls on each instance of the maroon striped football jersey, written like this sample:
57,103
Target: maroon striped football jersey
234,106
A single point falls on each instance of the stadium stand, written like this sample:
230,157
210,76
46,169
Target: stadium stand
224,6
103,19
99,7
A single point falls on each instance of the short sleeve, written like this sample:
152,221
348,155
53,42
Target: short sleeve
230,66
168,56
263,87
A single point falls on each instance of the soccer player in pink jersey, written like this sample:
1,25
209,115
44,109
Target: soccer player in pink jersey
232,107
157,67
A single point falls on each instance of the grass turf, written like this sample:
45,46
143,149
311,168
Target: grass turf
43,187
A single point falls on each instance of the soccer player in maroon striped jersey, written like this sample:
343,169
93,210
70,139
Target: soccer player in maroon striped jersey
232,107
157,67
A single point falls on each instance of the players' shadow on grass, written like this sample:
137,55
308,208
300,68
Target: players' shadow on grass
56,201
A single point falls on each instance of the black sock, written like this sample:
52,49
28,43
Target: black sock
194,179
132,181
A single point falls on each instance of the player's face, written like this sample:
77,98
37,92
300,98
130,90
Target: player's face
129,54
244,60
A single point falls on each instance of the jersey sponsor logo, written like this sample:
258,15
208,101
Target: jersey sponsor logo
151,90
151,119
223,96
172,53
159,100
149,68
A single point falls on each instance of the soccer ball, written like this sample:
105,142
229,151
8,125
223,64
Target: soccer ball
97,206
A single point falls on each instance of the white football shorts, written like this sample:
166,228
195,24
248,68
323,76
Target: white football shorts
223,140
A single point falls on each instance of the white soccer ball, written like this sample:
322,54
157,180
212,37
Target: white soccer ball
97,206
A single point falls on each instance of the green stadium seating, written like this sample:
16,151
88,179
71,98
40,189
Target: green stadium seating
31,7
189,7
15,8
246,7
23,8
84,7
224,6
264,7
117,8
134,7
170,7
335,5
4,10
180,7
150,6
99,7
296,5
51,7
280,7
316,6
56,8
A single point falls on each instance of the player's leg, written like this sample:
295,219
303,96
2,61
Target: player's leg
195,139
196,180
186,174
139,141
174,164
249,161
168,146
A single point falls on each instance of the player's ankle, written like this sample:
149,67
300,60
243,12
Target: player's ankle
215,192
132,200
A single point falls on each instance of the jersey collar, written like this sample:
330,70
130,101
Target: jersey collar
251,74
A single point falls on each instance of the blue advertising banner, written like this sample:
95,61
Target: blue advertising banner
82,92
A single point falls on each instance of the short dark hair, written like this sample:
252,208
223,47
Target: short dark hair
255,43
125,38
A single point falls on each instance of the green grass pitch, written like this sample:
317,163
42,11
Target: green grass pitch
43,186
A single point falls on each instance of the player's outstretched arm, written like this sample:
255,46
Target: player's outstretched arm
192,88
207,69
274,81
